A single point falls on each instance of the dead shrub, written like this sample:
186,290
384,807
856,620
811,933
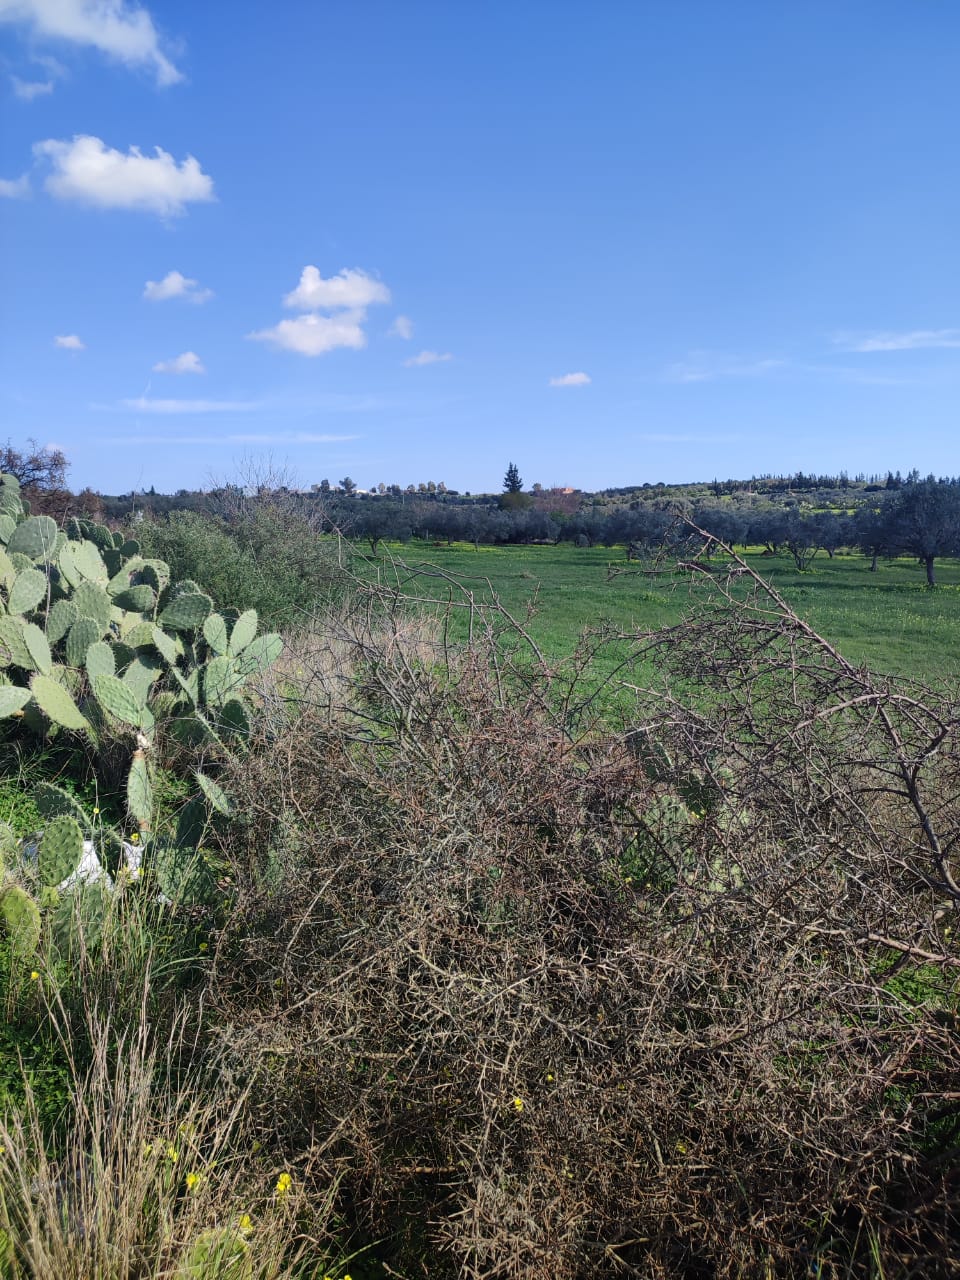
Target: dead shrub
673,1000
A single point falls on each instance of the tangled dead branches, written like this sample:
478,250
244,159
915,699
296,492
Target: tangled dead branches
668,992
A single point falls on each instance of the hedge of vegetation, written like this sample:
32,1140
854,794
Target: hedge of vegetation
417,959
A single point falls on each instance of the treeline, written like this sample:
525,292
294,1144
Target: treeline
919,518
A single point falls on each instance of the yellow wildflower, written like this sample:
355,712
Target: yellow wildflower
173,1155
284,1183
192,1180
34,976
204,946
245,1224
518,1104
549,1078
135,837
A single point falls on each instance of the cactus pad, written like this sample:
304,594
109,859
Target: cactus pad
244,630
93,602
186,612
165,645
220,680
12,699
138,599
29,588
99,660
37,647
67,564
83,633
215,633
35,537
140,633
89,562
13,646
234,718
260,654
21,920
218,798
54,802
140,790
63,614
156,574
61,848
56,703
142,672
117,698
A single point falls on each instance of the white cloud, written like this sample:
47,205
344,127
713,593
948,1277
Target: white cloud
912,340
428,357
94,174
705,366
402,327
143,405
69,342
571,380
15,188
117,29
175,285
187,362
27,90
347,295
348,289
314,335
276,437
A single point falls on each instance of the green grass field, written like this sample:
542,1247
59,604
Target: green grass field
889,619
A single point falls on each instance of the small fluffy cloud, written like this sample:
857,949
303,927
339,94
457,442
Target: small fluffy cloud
15,188
27,90
428,357
121,31
187,362
571,380
69,342
912,340
175,285
402,327
348,289
92,173
313,335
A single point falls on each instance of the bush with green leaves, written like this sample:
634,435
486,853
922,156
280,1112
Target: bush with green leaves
265,557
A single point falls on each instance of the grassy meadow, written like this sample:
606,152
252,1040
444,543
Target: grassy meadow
888,619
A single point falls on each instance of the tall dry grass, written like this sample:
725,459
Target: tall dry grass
155,1169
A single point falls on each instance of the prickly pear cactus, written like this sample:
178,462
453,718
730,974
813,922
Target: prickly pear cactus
96,641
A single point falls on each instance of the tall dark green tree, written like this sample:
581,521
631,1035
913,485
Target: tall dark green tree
511,481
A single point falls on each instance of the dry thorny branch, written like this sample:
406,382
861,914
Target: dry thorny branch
667,990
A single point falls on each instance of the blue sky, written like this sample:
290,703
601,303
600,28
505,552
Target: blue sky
614,243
